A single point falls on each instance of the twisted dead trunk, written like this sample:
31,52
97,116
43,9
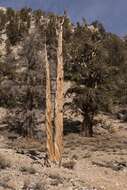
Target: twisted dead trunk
59,95
54,100
87,126
49,127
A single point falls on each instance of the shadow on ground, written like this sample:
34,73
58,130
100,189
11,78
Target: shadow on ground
71,126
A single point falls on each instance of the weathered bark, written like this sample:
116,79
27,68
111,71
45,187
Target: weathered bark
54,100
49,127
59,95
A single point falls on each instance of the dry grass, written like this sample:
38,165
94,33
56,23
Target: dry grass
37,186
26,144
56,179
74,157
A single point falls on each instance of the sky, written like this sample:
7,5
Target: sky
111,13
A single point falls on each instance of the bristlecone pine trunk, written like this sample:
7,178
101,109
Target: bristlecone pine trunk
54,100
59,95
49,129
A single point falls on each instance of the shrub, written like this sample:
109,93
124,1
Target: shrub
4,163
29,169
69,165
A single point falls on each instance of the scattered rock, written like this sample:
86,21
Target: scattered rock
116,166
122,115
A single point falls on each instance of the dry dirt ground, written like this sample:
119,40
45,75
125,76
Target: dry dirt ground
98,163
